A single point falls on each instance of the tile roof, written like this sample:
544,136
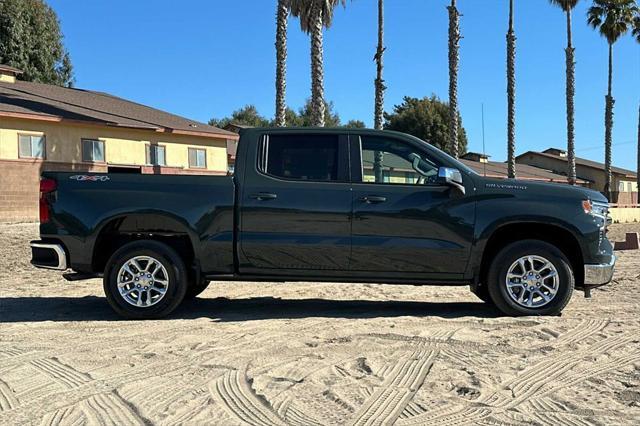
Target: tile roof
523,171
581,162
45,101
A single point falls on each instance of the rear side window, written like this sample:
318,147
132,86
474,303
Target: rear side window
304,157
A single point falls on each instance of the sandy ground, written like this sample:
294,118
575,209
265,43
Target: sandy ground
307,354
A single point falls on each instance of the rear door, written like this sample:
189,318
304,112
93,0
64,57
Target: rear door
405,223
296,205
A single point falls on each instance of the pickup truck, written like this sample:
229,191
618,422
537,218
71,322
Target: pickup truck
330,205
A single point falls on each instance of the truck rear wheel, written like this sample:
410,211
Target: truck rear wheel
144,280
530,277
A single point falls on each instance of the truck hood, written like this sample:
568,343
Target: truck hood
524,187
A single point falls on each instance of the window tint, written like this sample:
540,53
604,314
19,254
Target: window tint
303,157
395,162
31,146
197,158
156,155
93,150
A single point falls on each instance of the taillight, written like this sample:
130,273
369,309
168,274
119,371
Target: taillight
47,186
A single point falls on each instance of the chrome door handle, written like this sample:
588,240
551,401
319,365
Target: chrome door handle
264,196
373,199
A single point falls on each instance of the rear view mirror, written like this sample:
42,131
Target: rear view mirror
450,176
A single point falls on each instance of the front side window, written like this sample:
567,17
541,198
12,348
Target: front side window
394,162
156,155
31,146
302,157
197,158
93,150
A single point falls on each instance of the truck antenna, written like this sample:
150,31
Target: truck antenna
484,153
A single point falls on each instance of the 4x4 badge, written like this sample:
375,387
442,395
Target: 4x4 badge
82,178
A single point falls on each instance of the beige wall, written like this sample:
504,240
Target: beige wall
122,146
625,215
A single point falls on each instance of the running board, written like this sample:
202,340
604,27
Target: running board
79,276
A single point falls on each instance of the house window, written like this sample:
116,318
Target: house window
93,150
197,158
31,146
156,155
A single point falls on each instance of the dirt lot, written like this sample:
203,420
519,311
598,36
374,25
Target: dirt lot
273,354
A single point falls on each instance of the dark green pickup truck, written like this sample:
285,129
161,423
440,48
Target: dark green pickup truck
325,205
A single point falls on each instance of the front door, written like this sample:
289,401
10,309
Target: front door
296,205
405,223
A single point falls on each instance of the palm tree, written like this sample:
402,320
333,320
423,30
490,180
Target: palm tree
638,166
378,156
315,15
567,6
454,45
379,82
613,18
636,34
511,96
282,13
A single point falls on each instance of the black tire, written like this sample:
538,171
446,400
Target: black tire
195,288
507,256
176,277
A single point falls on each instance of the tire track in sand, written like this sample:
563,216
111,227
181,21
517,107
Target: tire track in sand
105,409
61,373
537,380
387,403
110,409
238,398
8,400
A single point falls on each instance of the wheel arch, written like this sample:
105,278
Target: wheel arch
556,234
117,230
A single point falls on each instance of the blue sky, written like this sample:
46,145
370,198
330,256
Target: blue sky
203,58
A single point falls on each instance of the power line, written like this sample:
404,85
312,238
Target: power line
594,147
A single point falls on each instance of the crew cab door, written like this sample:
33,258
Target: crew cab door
295,206
404,222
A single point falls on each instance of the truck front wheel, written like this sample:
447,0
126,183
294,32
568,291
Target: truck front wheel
530,277
144,280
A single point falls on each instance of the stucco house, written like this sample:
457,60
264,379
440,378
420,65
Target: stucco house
45,127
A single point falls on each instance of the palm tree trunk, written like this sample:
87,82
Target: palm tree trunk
608,125
379,82
511,95
454,45
571,91
317,68
638,169
281,62
378,156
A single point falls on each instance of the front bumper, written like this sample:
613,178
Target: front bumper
600,274
48,256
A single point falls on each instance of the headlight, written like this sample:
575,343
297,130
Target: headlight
596,209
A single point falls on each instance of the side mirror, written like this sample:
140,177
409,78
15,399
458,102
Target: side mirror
452,177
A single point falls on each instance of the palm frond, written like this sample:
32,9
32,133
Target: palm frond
613,18
303,10
565,5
